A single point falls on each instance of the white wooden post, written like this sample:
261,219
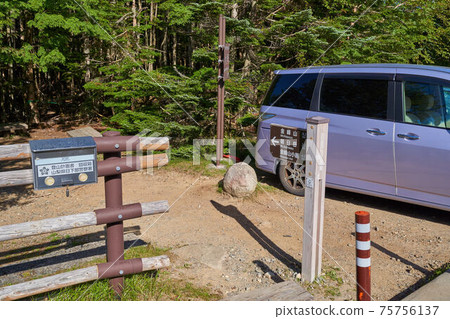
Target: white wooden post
316,159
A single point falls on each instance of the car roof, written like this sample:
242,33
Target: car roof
391,68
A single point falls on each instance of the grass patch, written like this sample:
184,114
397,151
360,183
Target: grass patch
54,237
220,189
439,271
262,188
152,285
186,166
156,285
145,251
328,284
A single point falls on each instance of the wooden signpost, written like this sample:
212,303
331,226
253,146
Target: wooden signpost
316,159
286,143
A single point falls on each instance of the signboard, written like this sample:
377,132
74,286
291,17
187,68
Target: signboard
226,62
286,142
64,162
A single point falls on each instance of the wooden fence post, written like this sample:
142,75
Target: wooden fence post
316,158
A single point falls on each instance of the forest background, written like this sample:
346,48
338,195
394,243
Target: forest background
152,65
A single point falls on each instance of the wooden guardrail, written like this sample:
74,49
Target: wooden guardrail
80,276
96,217
111,145
104,145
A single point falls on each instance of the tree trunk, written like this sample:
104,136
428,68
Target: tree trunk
164,46
31,95
87,59
234,15
174,51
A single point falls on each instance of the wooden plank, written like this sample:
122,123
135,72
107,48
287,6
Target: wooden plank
153,143
45,226
157,207
283,291
16,178
156,160
12,127
316,157
42,285
155,262
52,225
15,151
69,278
84,131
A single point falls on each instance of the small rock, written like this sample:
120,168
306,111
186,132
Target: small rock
266,224
298,276
268,274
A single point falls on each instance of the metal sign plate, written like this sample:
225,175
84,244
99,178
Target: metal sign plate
64,162
226,62
286,142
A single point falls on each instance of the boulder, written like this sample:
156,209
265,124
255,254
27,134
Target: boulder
240,180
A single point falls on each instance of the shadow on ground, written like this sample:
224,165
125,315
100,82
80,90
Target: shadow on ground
419,283
396,207
11,196
259,236
60,251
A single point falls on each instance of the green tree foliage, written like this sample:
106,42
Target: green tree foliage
152,65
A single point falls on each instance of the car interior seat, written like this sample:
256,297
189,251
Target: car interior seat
410,117
425,105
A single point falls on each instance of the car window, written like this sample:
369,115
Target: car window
359,97
292,91
426,103
446,90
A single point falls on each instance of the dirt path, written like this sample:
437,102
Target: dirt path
233,245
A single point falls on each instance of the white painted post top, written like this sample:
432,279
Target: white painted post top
317,120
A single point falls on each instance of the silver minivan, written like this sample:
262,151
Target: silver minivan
389,130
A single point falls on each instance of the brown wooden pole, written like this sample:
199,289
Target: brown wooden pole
114,231
220,93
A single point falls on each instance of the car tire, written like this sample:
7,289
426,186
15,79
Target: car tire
292,177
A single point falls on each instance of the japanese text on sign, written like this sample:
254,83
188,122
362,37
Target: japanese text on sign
67,168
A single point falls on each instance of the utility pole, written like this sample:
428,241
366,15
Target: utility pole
224,66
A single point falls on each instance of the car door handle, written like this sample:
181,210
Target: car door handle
375,132
409,136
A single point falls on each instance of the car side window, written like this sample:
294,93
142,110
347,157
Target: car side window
446,90
292,91
426,104
352,96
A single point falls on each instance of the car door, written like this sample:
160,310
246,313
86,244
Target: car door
287,103
422,140
361,128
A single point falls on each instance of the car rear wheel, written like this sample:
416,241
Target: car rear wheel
292,176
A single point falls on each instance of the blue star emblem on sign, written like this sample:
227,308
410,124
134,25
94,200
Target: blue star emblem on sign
44,171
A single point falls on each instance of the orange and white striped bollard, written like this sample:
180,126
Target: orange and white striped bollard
362,256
